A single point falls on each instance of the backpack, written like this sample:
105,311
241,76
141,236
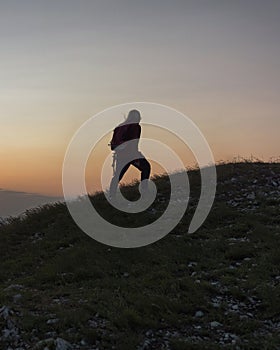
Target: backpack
118,136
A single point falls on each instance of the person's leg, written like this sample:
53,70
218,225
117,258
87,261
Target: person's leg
144,166
113,186
118,175
123,171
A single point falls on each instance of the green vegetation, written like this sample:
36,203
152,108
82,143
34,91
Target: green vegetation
216,288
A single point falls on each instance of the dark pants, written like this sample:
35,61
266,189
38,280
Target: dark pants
122,166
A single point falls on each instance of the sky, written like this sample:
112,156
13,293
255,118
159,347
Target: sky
64,61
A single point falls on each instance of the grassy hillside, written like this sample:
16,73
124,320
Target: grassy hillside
214,289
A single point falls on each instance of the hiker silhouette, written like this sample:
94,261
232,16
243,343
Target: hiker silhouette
125,143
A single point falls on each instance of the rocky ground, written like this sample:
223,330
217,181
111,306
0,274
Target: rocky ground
215,289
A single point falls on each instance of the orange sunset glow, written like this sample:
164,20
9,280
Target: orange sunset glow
216,62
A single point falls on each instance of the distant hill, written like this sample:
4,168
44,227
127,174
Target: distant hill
218,288
14,203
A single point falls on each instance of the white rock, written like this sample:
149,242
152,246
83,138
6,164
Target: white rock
199,313
62,344
17,297
216,305
251,196
215,324
14,286
5,312
52,320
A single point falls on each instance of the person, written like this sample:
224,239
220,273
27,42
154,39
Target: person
125,144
